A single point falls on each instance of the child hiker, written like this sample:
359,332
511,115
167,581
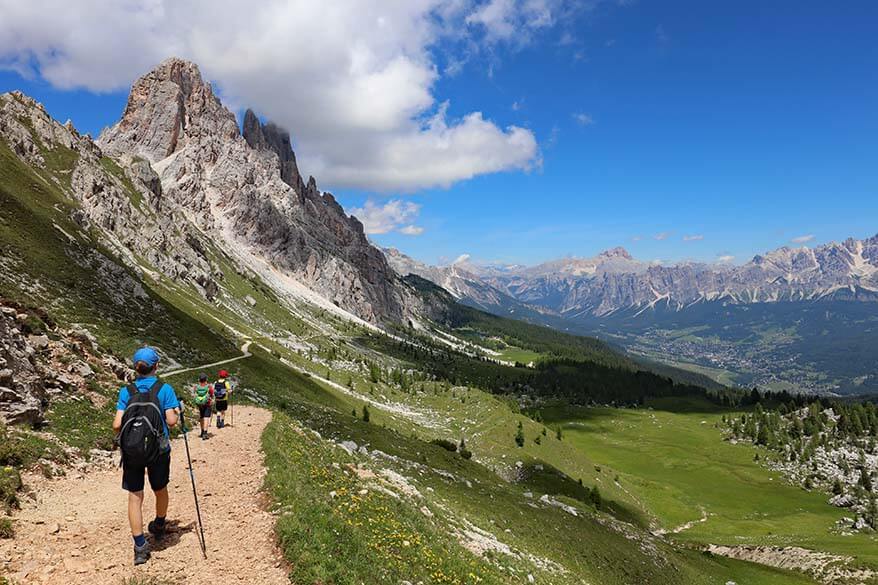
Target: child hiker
204,394
145,410
222,392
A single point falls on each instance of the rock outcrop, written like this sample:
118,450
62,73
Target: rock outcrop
247,193
127,207
40,361
22,394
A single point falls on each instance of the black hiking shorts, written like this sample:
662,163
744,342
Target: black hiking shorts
159,474
222,405
204,410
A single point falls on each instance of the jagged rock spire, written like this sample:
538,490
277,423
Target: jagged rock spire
166,108
273,138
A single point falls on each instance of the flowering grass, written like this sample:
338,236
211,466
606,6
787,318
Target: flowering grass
336,530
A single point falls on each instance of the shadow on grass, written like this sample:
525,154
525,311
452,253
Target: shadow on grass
542,478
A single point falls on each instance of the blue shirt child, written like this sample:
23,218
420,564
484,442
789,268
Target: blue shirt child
167,397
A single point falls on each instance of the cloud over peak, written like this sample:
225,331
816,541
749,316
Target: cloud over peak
803,239
395,215
354,80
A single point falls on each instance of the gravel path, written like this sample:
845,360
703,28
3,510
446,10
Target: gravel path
75,530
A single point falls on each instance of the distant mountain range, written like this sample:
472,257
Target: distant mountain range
613,280
675,312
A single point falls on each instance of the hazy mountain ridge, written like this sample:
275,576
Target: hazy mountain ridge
614,280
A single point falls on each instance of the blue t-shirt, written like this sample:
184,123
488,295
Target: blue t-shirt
167,397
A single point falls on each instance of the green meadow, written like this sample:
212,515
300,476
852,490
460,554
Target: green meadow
677,466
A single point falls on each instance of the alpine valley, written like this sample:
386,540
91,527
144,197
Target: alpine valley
796,319
414,432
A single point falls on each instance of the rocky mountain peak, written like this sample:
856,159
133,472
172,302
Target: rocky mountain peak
167,108
273,138
617,252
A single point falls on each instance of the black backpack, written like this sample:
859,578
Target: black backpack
219,390
142,438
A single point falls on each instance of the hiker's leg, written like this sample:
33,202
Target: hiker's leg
135,512
161,502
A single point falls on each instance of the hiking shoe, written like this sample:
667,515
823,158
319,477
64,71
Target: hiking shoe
203,435
141,553
157,531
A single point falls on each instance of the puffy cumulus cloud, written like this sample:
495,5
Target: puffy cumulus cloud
803,239
391,216
725,259
352,79
693,238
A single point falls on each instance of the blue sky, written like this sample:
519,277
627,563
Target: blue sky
680,130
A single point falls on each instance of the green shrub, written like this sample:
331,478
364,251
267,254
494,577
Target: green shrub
6,529
445,444
20,449
10,483
595,496
464,452
519,435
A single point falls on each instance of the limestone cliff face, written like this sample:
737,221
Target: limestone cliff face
246,191
128,208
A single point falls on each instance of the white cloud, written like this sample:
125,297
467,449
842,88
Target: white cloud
391,216
693,238
661,236
354,80
513,20
460,259
725,259
583,119
636,238
803,239
412,230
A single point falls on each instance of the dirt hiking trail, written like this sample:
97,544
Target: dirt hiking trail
75,529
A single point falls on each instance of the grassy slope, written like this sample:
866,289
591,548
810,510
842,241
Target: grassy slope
190,330
677,465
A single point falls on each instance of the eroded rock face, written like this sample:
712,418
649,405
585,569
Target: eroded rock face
176,175
246,191
22,394
126,204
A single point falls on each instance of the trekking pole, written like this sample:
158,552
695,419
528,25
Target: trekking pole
194,493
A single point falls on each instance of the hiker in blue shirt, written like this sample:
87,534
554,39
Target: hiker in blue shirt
143,417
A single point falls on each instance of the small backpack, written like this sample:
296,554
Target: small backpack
142,438
202,394
219,389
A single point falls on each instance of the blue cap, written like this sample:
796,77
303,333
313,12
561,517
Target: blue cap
147,355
